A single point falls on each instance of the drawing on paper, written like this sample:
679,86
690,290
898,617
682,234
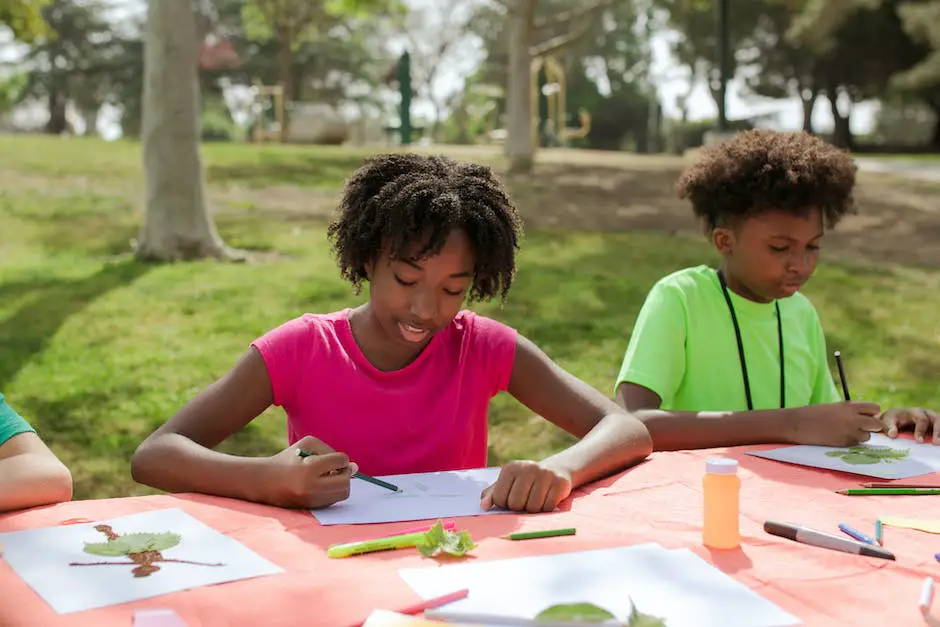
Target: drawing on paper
143,550
870,454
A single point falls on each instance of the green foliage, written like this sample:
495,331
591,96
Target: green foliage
439,540
11,91
128,543
582,612
589,613
24,19
858,455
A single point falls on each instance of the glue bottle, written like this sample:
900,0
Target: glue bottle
722,490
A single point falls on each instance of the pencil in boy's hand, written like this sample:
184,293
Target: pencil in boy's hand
845,385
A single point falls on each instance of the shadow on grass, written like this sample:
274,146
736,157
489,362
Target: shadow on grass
49,304
271,168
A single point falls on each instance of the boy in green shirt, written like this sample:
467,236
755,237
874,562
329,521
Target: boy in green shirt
737,355
30,474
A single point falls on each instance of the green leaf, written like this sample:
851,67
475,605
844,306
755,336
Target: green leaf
835,453
639,619
580,612
439,540
133,543
859,458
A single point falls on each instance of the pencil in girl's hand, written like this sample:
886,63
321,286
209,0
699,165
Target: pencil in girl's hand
845,385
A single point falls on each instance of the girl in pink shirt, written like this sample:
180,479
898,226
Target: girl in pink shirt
403,382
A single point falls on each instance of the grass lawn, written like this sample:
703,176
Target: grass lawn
97,349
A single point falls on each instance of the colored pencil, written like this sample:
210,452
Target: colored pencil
430,604
824,540
363,476
858,535
889,491
897,484
547,533
845,385
879,532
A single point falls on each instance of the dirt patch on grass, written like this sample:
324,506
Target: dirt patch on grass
898,220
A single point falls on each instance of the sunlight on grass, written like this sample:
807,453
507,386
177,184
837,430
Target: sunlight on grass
97,349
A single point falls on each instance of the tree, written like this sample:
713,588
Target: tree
290,23
779,67
922,22
533,35
24,19
434,34
177,224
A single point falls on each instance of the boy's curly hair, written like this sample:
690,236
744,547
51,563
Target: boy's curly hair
395,200
762,170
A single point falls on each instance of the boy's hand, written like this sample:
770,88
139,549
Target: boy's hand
527,486
837,424
923,420
309,482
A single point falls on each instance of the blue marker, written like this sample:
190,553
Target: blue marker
858,535
937,557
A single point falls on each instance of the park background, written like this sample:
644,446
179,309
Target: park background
137,264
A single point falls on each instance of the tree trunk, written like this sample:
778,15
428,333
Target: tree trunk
58,122
519,146
808,98
842,126
177,224
935,136
285,64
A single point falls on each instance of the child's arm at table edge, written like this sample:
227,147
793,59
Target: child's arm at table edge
178,456
31,474
611,439
687,430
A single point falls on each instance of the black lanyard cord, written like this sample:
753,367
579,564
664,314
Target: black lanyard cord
737,334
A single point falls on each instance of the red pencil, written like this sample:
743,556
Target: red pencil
891,484
417,608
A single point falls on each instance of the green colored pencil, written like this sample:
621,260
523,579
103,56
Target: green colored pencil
364,477
548,533
888,491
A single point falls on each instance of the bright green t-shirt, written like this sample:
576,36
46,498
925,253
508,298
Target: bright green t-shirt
11,423
683,347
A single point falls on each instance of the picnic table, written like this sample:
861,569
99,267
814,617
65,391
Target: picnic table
658,501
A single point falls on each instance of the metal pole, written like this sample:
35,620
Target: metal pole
404,85
724,61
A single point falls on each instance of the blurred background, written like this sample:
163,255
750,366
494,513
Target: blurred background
116,304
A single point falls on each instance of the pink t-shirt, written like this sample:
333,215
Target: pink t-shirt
431,415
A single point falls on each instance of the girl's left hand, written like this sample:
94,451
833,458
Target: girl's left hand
527,486
924,422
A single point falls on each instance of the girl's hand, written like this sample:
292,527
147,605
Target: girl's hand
923,420
318,480
527,486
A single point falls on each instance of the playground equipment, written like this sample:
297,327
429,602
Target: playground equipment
549,92
264,95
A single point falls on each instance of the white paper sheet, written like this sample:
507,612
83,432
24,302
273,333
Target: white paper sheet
922,459
41,557
677,586
424,496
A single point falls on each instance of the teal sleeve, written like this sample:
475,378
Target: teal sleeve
824,388
11,423
655,357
